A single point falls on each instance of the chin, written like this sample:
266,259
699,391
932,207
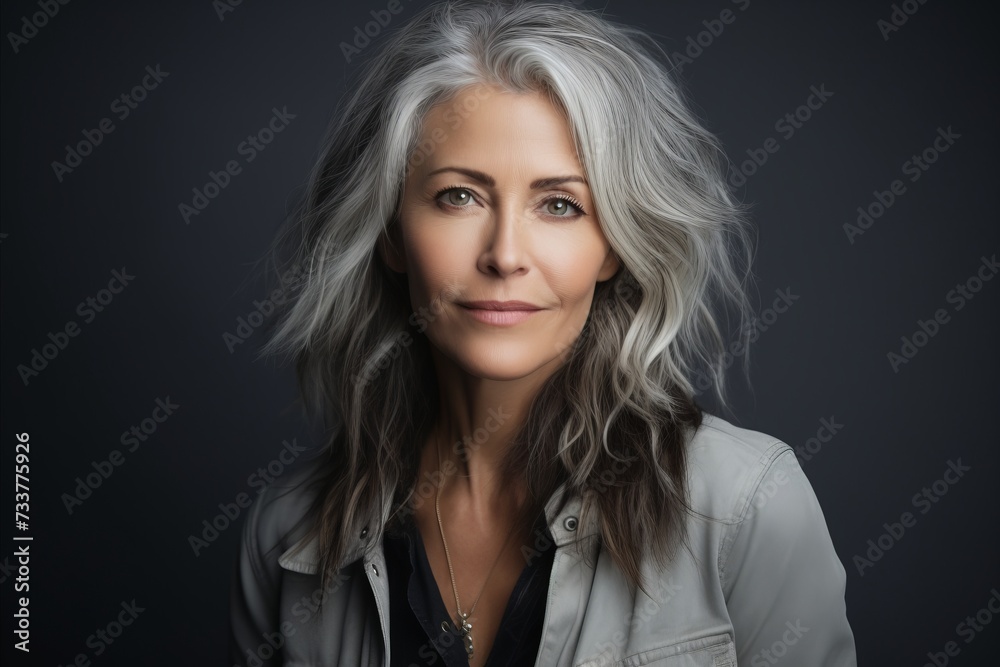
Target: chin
498,361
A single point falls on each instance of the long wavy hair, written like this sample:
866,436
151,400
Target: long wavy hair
623,400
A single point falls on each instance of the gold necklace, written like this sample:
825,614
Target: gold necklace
463,626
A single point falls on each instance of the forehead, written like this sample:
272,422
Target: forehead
482,123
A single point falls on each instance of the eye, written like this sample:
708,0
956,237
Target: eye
562,205
455,196
556,207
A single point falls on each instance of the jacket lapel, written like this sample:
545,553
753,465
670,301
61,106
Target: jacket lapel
303,556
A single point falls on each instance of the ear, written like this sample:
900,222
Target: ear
390,247
610,267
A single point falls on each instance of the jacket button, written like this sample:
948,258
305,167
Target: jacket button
364,531
570,523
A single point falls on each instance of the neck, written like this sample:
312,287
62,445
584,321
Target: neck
476,423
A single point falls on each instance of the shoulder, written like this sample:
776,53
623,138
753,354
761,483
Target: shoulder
767,516
764,508
727,464
256,587
276,518
779,570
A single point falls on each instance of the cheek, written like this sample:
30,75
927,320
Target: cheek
572,267
435,258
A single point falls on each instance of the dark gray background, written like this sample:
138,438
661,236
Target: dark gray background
826,357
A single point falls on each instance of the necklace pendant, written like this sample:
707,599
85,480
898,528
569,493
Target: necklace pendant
466,630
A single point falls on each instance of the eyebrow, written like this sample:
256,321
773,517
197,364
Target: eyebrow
488,180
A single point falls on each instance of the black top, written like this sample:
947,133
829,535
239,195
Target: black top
416,610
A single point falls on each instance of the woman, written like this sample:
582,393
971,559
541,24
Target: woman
516,243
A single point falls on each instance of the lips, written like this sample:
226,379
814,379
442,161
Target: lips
499,305
501,313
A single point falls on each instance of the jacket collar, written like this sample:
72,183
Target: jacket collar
565,528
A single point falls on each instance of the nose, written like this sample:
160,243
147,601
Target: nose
506,244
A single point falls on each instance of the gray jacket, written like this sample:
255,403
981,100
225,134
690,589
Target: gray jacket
762,586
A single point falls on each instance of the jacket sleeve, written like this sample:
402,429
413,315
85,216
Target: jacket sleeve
253,605
783,581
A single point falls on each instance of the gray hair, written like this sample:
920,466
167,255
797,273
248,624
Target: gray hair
624,398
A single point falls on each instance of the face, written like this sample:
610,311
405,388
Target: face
496,209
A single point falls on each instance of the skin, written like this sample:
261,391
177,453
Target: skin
501,241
